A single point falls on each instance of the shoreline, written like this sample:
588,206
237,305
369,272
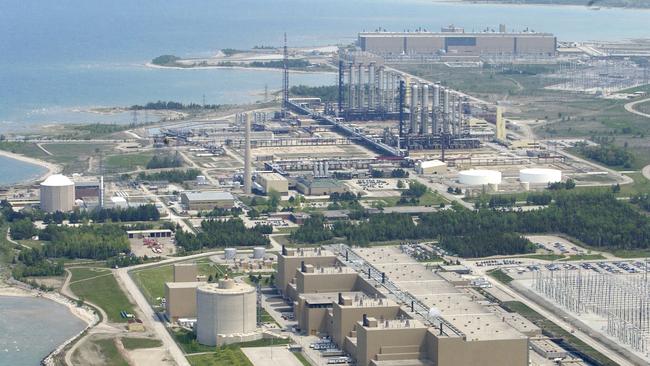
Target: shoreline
84,313
51,168
154,66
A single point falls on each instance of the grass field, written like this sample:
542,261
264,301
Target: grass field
544,257
500,276
583,257
127,162
104,292
83,273
632,253
225,357
135,343
555,331
151,281
301,358
110,353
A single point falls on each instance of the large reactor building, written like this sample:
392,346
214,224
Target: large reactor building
57,194
454,41
225,311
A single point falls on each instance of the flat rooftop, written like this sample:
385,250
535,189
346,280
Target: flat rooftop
397,324
329,270
327,297
272,176
183,284
455,305
453,34
208,196
308,252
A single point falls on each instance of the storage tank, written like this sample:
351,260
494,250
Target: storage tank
259,252
224,309
57,194
230,253
540,175
477,177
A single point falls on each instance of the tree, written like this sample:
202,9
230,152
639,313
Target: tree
274,199
400,184
22,229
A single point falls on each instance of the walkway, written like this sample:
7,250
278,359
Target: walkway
630,107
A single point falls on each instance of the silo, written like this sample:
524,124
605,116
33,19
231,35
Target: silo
259,252
57,194
414,108
230,253
226,309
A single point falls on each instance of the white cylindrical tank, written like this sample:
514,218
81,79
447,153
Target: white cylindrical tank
540,175
476,177
224,309
57,194
259,252
230,253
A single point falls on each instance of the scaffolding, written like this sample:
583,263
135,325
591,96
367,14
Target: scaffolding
622,299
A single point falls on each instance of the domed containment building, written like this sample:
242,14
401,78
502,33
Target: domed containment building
57,194
226,312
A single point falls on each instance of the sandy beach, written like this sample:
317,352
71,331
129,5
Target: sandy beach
149,64
51,168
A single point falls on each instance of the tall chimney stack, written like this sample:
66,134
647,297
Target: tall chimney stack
247,156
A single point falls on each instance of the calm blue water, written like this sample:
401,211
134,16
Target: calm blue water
15,171
32,328
56,56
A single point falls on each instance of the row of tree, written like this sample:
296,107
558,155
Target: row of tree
160,161
226,233
608,154
595,218
173,176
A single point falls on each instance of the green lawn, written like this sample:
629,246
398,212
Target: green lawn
83,273
301,358
632,253
110,353
555,331
23,148
500,276
135,343
225,357
151,281
584,257
126,162
104,292
545,257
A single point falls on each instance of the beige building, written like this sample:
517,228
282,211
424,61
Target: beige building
180,300
320,187
428,167
57,194
226,312
459,43
207,200
273,182
362,320
185,272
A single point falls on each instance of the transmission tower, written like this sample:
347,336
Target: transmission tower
285,78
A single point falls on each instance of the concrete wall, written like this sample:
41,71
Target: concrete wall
345,319
270,183
224,314
391,344
287,266
57,198
307,283
181,302
185,272
454,351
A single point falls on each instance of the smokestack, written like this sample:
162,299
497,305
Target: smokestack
247,156
414,108
101,191
424,118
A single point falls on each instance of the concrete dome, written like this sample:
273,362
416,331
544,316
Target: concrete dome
57,180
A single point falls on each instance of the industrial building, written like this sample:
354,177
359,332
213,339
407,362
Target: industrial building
185,272
456,42
428,167
273,182
57,194
320,187
207,200
351,295
226,313
180,299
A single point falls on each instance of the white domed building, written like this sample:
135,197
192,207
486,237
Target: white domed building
479,177
540,176
57,194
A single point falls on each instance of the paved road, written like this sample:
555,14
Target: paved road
646,171
442,190
630,107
